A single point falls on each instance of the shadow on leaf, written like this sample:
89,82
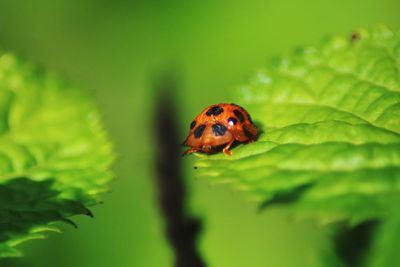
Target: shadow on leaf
286,197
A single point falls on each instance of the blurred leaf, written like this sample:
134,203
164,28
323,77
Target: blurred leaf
385,251
330,122
54,154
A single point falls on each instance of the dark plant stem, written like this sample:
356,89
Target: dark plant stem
182,230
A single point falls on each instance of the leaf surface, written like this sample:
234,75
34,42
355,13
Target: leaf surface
330,130
54,154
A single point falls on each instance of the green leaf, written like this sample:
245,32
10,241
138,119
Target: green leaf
330,130
385,250
54,154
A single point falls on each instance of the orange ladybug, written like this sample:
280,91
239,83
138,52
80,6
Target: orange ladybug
219,126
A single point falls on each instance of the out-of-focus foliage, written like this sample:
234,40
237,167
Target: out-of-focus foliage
387,243
54,154
330,121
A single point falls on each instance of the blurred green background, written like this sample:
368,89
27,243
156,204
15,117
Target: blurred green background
117,49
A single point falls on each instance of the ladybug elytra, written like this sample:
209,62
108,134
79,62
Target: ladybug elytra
220,125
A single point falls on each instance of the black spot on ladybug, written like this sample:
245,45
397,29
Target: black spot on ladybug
199,131
219,129
239,115
192,124
232,121
247,133
249,118
216,110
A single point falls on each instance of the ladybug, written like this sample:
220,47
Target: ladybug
220,125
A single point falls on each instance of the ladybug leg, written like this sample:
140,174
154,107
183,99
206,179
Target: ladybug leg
226,148
190,151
